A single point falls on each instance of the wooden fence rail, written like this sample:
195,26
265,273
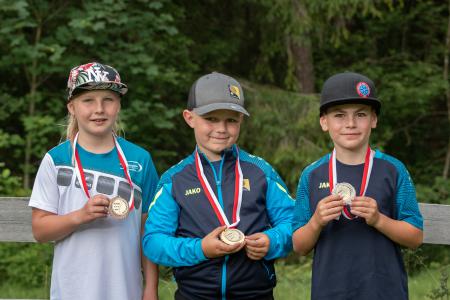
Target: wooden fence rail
15,221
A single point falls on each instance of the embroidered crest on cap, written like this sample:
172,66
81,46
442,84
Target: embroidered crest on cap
234,91
363,89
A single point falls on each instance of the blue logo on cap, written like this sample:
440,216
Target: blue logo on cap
363,89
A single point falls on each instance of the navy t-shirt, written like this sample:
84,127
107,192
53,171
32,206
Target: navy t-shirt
353,260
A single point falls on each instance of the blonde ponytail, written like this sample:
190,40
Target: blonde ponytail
72,127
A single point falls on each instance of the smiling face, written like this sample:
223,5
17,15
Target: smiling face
95,112
214,131
349,126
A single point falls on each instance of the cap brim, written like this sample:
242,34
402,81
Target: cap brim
375,103
216,106
120,88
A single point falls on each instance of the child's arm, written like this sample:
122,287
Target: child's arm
405,228
275,242
151,271
161,245
48,226
400,232
305,238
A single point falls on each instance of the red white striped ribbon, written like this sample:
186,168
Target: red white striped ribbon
212,197
332,177
82,178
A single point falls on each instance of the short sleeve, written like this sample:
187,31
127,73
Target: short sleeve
407,206
302,210
149,185
45,194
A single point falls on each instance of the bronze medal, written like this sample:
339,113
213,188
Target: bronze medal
232,236
118,208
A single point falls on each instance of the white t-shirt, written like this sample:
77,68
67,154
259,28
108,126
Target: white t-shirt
101,259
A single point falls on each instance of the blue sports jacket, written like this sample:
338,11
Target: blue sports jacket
181,215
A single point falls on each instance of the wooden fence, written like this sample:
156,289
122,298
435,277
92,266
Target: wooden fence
15,221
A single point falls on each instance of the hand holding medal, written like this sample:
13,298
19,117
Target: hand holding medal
96,207
257,245
213,247
327,209
367,208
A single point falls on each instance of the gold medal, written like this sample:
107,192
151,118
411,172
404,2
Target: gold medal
346,190
118,207
232,236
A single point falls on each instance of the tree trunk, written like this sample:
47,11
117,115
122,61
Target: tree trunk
33,81
447,92
301,49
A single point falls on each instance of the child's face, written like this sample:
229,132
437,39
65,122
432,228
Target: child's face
95,111
349,125
214,131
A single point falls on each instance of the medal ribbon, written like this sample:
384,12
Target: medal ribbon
212,197
82,178
332,177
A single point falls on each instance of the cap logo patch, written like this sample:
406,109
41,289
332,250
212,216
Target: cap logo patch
234,91
363,89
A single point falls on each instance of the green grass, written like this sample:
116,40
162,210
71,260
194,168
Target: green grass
293,283
8,291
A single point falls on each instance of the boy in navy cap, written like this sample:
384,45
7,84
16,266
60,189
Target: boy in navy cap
221,216
355,206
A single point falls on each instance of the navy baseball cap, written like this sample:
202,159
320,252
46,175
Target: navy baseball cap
216,91
348,87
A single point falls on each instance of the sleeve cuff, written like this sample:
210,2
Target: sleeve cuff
274,241
199,251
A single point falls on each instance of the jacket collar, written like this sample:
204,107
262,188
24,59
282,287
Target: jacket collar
227,154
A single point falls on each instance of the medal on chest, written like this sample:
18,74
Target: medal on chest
231,235
118,208
346,190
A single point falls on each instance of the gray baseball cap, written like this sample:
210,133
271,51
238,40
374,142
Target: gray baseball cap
216,91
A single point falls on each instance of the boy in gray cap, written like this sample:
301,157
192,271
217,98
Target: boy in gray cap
355,206
221,216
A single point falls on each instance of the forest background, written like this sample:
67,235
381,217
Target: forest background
281,51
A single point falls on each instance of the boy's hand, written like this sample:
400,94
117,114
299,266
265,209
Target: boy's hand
96,207
257,245
327,209
367,208
213,247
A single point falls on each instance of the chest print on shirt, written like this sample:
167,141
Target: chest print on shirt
192,191
324,185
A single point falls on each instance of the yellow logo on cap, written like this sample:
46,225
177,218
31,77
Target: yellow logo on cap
234,92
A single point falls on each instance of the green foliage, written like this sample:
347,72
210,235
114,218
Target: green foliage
438,192
283,129
9,185
41,41
27,264
442,292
